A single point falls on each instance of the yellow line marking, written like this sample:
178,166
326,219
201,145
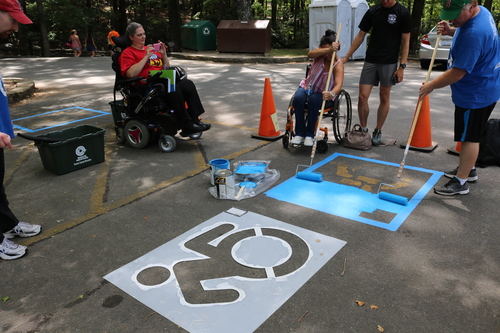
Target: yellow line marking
97,207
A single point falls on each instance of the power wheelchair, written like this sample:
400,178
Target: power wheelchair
340,112
141,115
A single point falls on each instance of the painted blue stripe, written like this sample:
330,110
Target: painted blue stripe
466,124
100,114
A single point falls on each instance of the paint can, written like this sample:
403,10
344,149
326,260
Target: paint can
224,183
217,164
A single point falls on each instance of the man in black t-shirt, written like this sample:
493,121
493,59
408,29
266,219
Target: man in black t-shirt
390,25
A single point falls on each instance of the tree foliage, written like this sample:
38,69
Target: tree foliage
54,19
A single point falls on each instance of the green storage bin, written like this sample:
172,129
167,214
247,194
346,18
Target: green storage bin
79,147
199,35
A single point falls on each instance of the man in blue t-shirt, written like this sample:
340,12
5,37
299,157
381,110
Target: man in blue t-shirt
390,26
11,14
474,76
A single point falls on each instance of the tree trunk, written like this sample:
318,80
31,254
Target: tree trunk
174,24
244,10
488,4
122,17
43,29
416,19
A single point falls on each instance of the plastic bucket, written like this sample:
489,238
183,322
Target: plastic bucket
217,164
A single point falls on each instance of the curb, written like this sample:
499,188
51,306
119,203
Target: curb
18,89
237,58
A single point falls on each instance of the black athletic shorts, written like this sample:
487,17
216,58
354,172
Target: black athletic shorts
470,124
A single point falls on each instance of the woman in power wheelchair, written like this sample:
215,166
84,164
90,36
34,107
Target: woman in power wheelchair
135,64
312,90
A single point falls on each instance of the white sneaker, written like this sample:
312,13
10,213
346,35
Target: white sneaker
23,229
308,142
297,140
10,250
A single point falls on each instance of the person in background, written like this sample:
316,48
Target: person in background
474,76
390,25
111,44
75,43
90,45
313,90
11,14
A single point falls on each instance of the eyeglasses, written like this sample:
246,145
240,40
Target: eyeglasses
141,34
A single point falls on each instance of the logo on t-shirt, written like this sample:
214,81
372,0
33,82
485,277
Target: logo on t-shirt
391,18
155,61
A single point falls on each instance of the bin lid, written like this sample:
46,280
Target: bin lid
197,24
247,24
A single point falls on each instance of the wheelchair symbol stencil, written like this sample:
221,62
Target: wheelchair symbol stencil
229,272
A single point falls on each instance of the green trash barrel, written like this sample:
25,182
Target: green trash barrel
199,35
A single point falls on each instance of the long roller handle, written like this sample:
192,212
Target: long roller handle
313,151
417,111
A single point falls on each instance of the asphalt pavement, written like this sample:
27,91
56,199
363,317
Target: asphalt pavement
438,272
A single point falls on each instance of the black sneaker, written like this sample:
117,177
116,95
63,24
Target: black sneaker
471,178
453,187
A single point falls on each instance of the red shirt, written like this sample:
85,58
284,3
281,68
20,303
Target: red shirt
131,56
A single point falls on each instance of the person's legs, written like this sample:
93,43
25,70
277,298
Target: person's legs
190,94
299,100
7,218
383,108
468,156
363,108
314,106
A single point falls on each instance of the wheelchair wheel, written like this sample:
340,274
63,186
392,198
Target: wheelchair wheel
285,140
137,134
322,146
120,135
166,143
343,115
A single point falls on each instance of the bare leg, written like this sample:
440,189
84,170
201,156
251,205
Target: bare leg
385,104
363,108
468,157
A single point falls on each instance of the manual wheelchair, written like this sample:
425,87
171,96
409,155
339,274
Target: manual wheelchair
141,115
339,110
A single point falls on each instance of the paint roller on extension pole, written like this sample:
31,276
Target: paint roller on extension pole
389,196
313,176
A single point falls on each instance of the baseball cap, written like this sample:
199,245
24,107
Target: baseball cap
14,8
452,9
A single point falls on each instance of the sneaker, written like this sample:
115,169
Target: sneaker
23,229
453,187
297,140
471,178
377,136
10,250
308,142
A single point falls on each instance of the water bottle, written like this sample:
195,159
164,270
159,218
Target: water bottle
309,90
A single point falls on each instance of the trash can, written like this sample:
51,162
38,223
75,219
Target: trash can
252,36
78,148
199,35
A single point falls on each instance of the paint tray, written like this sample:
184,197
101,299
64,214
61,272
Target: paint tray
250,171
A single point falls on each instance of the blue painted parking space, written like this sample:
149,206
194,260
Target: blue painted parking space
350,189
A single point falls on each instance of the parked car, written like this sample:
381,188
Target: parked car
427,48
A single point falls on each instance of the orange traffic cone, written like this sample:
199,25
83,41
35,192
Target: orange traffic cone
422,137
455,150
268,128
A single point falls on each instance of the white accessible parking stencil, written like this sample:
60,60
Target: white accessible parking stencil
229,274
